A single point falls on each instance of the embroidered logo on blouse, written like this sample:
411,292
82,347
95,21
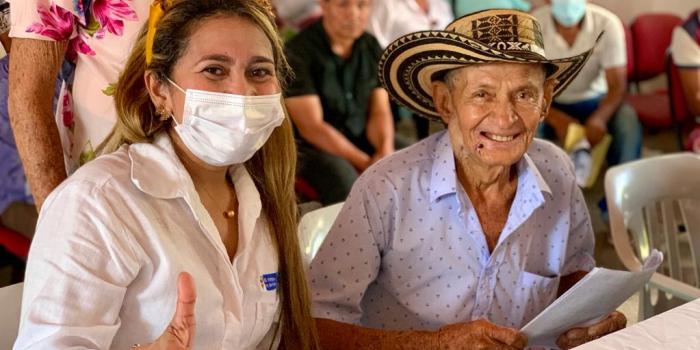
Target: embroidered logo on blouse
268,281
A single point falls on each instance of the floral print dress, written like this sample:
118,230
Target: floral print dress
100,34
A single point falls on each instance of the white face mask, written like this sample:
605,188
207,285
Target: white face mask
224,129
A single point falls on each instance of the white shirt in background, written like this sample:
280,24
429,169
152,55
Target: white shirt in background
295,12
111,241
684,49
391,19
610,52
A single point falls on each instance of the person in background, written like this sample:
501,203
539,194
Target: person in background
94,39
463,7
391,19
595,98
461,239
685,51
341,113
182,235
297,13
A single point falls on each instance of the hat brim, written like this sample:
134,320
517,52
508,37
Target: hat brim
409,65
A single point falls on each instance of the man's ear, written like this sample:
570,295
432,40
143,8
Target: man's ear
548,96
442,99
158,91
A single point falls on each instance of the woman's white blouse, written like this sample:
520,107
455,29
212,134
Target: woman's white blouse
111,241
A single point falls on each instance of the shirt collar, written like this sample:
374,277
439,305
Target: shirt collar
156,170
443,175
527,168
588,25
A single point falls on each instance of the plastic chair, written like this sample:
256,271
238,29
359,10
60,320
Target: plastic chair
304,190
651,34
651,37
313,228
655,203
10,302
14,248
15,243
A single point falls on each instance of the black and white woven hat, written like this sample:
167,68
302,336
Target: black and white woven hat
409,65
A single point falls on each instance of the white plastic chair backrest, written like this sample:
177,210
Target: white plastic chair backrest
313,228
634,189
10,304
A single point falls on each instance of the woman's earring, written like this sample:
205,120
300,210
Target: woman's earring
162,113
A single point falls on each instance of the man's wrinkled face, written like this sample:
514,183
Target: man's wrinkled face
492,110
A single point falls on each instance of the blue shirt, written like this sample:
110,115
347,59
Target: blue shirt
408,252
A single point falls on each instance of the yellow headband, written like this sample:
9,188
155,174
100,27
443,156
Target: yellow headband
155,13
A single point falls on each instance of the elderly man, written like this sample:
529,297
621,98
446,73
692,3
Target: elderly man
461,239
338,107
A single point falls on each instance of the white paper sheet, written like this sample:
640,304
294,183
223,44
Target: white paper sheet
595,296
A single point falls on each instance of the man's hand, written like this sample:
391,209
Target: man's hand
180,332
480,334
577,336
595,130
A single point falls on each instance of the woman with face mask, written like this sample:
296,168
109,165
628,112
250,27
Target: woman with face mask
183,234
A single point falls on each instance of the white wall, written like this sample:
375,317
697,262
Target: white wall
628,9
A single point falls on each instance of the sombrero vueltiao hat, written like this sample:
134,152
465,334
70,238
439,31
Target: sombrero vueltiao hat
412,62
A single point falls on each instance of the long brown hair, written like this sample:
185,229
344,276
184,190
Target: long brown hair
272,167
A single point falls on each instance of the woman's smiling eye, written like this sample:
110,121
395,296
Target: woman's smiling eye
214,70
260,73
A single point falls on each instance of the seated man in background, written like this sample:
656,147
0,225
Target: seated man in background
341,113
463,238
595,97
685,50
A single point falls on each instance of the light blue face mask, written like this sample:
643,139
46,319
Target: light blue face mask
568,12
